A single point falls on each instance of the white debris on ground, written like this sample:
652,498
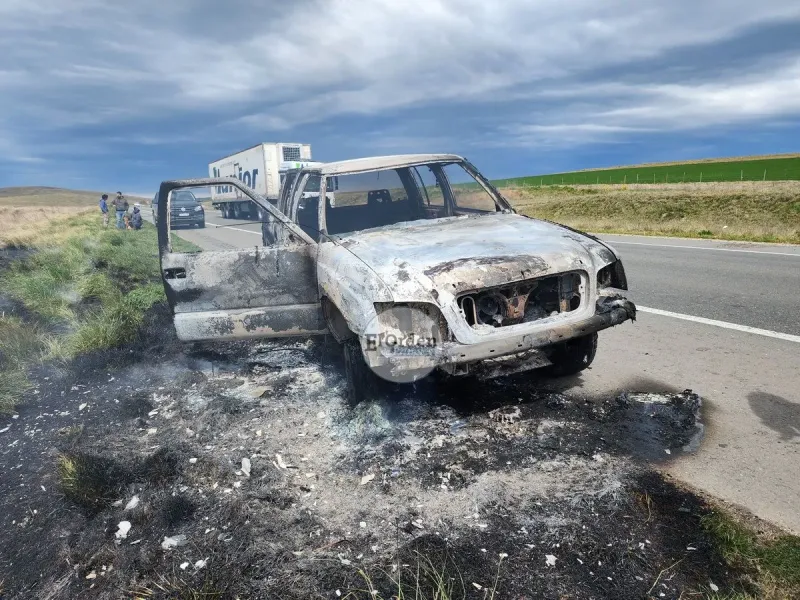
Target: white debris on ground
122,530
173,542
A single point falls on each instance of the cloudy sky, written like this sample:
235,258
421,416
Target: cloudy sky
105,94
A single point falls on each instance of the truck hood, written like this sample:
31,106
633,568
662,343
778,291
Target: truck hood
437,259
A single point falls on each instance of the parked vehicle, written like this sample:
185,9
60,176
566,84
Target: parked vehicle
263,169
417,264
185,210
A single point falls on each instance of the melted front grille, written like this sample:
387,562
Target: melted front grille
522,301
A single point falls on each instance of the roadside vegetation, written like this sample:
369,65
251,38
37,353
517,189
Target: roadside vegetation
754,211
23,210
76,287
772,562
430,575
752,168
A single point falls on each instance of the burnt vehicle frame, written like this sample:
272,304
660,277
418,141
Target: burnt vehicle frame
308,279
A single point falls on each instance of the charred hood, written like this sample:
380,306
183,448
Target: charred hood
454,255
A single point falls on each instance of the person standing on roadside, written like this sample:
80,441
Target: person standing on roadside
104,209
121,204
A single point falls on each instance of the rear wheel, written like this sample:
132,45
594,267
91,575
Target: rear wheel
573,356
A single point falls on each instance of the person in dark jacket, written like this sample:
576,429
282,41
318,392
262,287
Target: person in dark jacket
136,219
121,204
104,209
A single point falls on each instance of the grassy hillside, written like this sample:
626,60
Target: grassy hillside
24,210
773,168
50,196
755,211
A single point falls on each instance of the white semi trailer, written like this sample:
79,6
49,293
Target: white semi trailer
261,168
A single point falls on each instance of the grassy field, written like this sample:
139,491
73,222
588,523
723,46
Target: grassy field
25,210
774,168
752,211
81,288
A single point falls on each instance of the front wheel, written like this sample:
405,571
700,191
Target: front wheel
573,356
201,224
362,382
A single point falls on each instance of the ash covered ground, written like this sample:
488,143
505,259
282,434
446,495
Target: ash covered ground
239,471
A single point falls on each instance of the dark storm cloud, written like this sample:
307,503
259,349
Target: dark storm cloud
90,87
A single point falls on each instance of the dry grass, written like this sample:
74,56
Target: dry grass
24,225
752,211
24,210
44,196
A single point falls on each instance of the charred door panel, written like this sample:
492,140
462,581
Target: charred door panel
258,292
268,291
277,276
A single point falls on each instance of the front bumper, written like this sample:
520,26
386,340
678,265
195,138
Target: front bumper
176,220
508,355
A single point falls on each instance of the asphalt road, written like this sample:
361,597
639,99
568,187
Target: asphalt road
757,285
699,301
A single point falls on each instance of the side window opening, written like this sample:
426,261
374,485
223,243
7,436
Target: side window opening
372,199
187,211
432,197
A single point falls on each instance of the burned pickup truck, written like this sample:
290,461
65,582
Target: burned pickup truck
412,263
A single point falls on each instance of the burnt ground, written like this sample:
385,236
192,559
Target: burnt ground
549,494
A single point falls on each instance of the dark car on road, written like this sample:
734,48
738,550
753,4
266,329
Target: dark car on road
185,210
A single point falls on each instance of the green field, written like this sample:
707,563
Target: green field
778,168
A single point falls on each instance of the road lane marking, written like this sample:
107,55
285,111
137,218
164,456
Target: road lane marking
612,242
233,228
724,324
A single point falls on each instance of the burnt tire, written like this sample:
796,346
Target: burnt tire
362,383
573,356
